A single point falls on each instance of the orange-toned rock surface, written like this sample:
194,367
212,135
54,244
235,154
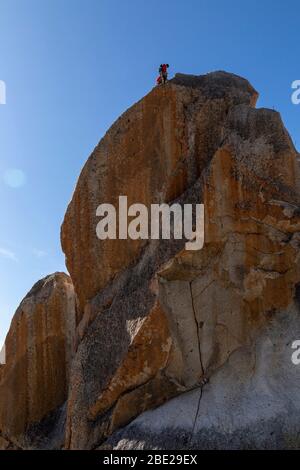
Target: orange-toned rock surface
244,286
157,320
173,349
34,380
152,154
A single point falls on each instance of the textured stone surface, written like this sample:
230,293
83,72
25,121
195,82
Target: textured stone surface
173,348
35,378
157,320
252,402
151,154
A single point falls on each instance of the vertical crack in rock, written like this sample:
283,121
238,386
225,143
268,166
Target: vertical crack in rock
201,364
197,327
196,416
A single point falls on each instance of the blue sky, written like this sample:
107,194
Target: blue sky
72,67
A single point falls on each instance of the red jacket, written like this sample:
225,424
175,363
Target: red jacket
164,68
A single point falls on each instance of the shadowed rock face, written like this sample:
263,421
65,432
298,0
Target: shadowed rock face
34,380
157,321
174,349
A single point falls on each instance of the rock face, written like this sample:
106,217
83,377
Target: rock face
34,380
174,349
251,402
152,154
157,321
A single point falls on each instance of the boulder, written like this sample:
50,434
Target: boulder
245,290
158,322
152,154
168,348
39,347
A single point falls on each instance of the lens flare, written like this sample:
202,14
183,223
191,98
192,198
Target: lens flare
14,178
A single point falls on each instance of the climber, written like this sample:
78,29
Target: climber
163,74
158,80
